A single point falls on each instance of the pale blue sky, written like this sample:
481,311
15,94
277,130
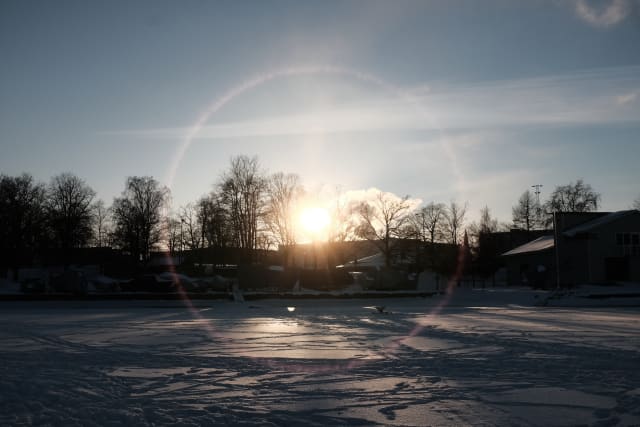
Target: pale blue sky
466,100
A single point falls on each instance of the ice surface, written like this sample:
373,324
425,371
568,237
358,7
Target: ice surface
474,358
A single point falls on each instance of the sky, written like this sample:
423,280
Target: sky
473,101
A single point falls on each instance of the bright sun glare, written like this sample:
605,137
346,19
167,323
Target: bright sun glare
314,220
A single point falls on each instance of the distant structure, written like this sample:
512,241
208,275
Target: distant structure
588,248
537,192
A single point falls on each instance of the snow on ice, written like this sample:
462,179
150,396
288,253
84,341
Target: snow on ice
473,358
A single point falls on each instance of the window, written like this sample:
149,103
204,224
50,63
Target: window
630,243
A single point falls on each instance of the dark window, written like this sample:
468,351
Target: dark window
619,239
627,238
635,239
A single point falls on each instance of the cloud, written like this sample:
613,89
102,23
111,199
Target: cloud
370,195
627,98
603,17
581,98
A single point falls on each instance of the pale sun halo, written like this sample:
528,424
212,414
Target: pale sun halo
314,220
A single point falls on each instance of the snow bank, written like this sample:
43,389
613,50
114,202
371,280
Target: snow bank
9,287
616,295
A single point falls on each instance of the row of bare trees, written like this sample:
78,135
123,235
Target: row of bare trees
64,215
386,218
247,209
34,215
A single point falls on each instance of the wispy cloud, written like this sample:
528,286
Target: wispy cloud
584,98
612,13
627,98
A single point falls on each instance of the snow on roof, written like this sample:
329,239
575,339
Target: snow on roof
376,260
605,219
540,244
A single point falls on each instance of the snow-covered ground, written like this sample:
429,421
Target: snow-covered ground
474,358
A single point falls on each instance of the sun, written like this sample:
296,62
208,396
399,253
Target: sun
314,220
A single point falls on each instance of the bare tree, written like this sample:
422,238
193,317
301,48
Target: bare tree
69,210
636,203
173,237
214,222
204,208
342,224
190,223
527,214
22,219
242,192
283,194
484,246
427,223
266,242
454,221
138,216
487,224
343,218
573,197
101,224
382,220
477,232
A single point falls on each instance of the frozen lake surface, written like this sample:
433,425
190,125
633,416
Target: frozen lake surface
478,358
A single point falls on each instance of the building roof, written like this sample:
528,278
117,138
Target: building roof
547,242
540,244
593,224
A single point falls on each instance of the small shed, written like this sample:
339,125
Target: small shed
532,264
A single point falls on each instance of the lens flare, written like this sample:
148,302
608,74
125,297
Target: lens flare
317,219
260,79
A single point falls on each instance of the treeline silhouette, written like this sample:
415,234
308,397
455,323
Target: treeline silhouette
247,213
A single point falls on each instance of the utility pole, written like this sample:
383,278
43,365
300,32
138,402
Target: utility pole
181,240
556,247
